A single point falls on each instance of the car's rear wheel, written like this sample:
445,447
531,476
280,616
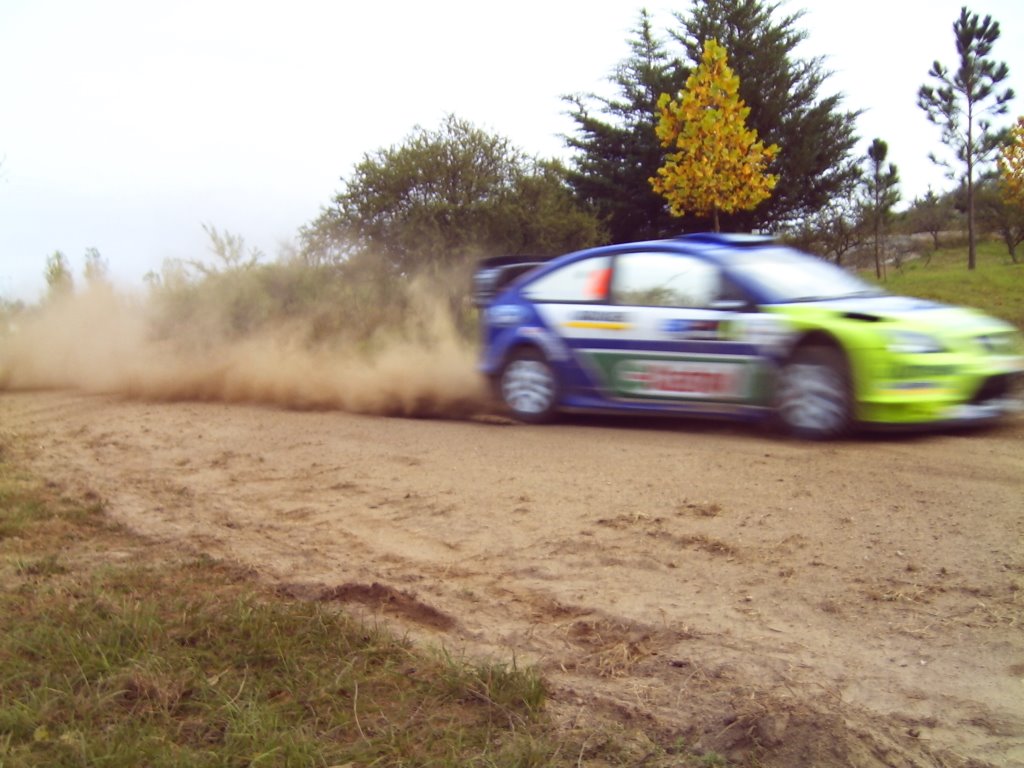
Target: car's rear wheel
528,386
813,398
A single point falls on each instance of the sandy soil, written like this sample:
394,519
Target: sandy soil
858,603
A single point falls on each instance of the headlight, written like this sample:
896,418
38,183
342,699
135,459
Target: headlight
912,343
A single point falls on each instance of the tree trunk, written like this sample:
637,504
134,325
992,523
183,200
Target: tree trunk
970,221
878,261
970,188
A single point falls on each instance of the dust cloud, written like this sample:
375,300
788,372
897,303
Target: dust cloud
105,342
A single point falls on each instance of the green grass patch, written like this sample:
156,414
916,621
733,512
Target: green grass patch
995,286
188,665
133,668
156,661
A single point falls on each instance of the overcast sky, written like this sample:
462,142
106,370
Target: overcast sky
125,125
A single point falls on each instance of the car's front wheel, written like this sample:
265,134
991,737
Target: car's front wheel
528,386
813,396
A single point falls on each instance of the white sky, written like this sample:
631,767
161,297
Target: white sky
127,124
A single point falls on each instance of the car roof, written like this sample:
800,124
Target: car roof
712,245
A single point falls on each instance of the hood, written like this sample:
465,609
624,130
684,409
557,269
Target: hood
919,312
884,307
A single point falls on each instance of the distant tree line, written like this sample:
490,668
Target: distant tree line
639,157
457,192
60,280
719,123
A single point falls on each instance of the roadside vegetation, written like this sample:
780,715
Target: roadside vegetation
116,652
996,285
422,212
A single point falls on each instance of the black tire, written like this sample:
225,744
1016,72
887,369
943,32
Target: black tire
813,396
528,386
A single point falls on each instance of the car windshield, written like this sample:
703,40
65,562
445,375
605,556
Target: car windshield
783,275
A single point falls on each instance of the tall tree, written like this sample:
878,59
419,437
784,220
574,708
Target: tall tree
881,193
787,108
833,231
97,270
932,214
59,280
715,162
963,102
997,214
1011,166
447,195
616,150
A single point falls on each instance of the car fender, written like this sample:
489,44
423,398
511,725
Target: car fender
499,351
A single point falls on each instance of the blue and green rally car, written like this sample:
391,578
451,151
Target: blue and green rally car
738,327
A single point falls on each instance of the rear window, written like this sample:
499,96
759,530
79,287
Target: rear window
580,281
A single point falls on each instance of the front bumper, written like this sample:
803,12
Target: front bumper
968,394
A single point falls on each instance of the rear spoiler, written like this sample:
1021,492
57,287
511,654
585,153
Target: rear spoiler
494,274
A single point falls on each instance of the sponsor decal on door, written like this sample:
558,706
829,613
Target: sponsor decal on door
674,378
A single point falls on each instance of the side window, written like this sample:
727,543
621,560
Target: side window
585,280
664,280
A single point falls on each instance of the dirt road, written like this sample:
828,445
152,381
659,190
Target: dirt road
857,603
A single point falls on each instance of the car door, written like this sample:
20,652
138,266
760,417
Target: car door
677,347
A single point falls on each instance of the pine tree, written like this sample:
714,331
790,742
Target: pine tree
715,162
616,148
963,101
881,193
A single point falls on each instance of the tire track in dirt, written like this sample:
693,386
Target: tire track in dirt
850,603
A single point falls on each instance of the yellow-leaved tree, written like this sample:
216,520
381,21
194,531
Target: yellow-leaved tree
1011,166
718,164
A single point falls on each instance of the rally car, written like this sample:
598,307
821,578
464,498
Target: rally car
735,326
